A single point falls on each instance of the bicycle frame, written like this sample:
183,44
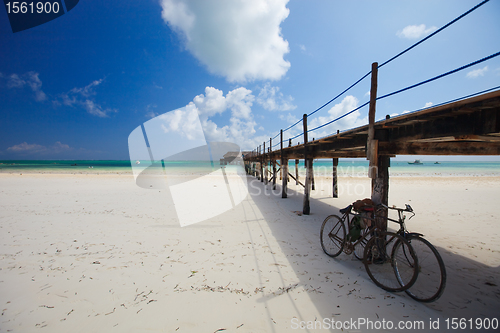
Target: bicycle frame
346,218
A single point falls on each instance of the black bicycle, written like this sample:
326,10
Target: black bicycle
409,254
431,269
389,259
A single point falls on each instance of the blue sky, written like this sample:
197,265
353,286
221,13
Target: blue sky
76,87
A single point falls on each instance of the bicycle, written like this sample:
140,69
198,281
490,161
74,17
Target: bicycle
432,271
430,266
389,259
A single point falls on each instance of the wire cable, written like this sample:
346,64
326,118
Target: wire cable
355,83
456,99
440,76
298,121
334,120
296,136
435,32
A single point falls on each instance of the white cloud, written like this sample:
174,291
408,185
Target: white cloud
291,119
183,121
241,126
428,104
83,97
348,104
96,109
36,149
29,79
88,90
240,40
415,31
238,102
272,99
212,103
477,72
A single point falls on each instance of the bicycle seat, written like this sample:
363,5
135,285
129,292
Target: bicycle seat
346,210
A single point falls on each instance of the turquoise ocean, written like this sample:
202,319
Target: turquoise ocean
346,168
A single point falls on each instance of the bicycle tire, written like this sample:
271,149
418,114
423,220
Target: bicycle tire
394,272
431,271
359,248
333,235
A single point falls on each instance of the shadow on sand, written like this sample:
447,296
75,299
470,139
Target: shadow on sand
471,291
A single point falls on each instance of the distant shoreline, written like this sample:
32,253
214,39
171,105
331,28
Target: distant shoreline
322,168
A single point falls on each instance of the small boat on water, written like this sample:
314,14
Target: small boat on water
137,162
417,162
437,163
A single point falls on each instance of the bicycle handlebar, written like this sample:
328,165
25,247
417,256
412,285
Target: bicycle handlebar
406,209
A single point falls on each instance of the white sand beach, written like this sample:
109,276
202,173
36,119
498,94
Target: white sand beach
96,253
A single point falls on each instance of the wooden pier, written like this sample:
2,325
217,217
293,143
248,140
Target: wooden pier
466,127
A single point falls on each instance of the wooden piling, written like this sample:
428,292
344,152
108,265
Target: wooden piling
264,166
312,178
378,170
372,144
334,176
307,186
261,166
284,170
273,160
380,189
296,172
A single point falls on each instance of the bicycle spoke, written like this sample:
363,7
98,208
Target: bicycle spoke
333,235
359,248
386,263
432,272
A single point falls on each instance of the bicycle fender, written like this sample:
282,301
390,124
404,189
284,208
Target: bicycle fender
415,234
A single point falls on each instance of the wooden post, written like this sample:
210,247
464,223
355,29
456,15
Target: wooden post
312,176
274,167
306,207
307,187
379,165
380,189
256,167
372,144
255,162
335,181
284,170
281,154
261,167
265,164
296,172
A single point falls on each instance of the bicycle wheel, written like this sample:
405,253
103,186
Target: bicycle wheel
390,262
332,235
431,271
359,248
